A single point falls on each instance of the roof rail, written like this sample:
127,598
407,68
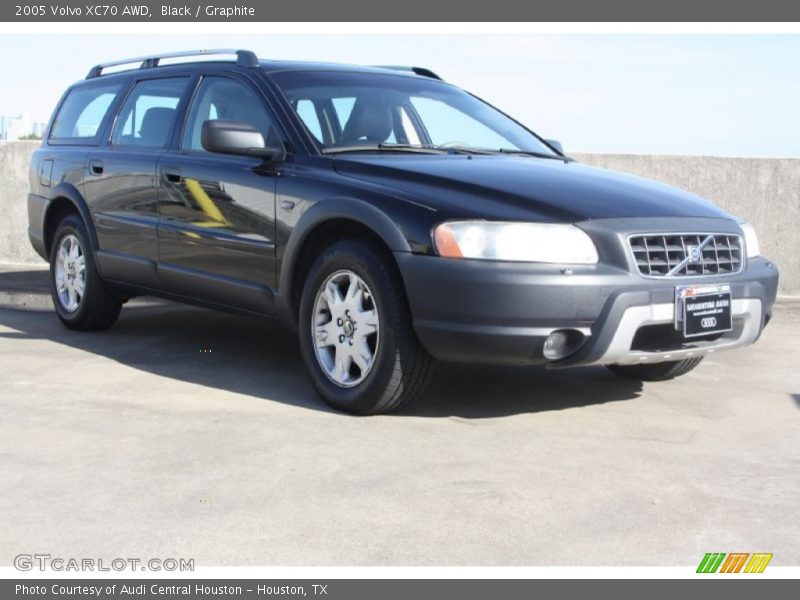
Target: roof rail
422,71
244,58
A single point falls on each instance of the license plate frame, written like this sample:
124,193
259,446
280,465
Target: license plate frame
702,310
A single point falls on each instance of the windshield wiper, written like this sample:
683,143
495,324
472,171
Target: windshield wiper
530,153
382,148
462,150
432,150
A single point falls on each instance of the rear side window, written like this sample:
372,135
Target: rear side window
148,113
83,112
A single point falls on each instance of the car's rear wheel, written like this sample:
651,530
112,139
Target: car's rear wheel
355,331
657,371
81,298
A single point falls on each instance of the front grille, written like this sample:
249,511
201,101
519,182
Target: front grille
659,255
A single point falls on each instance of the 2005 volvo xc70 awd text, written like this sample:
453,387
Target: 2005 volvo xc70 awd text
391,217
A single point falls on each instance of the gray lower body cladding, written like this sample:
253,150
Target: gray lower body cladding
502,313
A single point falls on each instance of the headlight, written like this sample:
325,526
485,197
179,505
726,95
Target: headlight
526,242
750,240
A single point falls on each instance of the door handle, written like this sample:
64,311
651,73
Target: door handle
96,167
171,174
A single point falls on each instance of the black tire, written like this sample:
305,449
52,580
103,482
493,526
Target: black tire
657,371
99,307
401,367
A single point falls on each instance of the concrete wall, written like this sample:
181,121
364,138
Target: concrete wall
766,192
14,244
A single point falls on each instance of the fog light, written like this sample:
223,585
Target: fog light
561,343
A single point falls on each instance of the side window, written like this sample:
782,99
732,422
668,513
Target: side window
225,98
148,114
308,114
83,112
343,108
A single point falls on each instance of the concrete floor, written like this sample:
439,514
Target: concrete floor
188,433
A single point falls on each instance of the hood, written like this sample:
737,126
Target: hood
520,188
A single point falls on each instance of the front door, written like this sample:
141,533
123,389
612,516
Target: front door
216,235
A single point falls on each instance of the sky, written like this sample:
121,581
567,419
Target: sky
709,94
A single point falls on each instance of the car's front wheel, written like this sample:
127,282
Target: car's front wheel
81,298
355,331
657,371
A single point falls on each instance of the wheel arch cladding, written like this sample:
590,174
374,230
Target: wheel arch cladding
325,223
65,200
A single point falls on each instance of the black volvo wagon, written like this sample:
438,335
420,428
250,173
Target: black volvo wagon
391,217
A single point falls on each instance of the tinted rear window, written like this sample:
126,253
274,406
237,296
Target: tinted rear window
148,114
83,112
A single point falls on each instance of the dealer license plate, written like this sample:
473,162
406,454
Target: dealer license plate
703,310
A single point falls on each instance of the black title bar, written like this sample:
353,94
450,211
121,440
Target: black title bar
391,589
408,10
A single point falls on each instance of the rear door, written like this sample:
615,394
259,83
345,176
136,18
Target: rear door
121,180
217,230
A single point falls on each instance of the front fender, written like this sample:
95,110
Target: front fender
326,210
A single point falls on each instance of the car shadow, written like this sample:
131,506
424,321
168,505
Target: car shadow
476,392
25,280
261,358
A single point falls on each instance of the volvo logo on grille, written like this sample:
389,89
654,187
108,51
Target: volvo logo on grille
695,254
708,322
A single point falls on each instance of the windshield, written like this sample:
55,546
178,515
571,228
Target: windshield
370,112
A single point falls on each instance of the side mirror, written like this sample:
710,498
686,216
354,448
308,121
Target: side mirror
557,145
225,136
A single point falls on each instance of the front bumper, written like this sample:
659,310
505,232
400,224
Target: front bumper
485,312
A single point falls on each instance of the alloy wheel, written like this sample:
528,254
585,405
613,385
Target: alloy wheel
70,273
345,328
